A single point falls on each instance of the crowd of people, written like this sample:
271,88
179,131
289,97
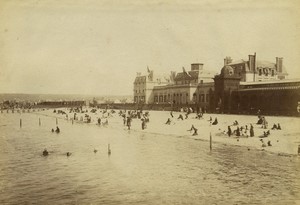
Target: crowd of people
233,130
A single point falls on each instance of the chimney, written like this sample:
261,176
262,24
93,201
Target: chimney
252,61
279,64
227,60
197,66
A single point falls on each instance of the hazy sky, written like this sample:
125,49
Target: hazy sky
96,47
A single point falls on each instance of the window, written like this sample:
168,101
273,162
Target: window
160,98
202,98
272,72
260,72
155,98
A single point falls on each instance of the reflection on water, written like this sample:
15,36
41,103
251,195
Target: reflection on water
142,169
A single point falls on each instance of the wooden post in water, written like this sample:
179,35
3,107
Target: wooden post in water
56,121
20,123
210,141
39,121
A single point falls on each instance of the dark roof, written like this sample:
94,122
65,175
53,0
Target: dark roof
184,76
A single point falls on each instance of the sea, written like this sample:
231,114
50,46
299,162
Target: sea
141,169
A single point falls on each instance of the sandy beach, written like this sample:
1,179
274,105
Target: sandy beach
284,141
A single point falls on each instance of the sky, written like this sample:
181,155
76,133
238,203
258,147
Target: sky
97,47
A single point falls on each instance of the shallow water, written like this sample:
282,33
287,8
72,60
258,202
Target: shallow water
142,169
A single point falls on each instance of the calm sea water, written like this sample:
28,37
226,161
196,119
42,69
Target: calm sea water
142,169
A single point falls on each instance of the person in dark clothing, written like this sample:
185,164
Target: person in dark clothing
237,132
269,143
278,127
171,113
229,132
274,127
168,122
251,131
215,122
45,152
57,130
128,122
180,117
143,124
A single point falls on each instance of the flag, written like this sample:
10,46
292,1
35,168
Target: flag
186,72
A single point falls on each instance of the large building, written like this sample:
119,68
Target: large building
255,87
243,86
252,70
182,89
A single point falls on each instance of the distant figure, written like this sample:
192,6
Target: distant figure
168,121
128,122
99,121
45,152
195,131
69,154
278,127
186,115
215,122
235,123
237,132
52,130
210,119
269,143
143,124
274,127
180,117
95,151
260,120
251,131
263,144
109,150
171,113
229,132
124,120
57,129
265,134
192,128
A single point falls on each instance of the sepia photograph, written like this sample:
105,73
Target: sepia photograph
150,102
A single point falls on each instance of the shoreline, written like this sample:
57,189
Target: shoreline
283,143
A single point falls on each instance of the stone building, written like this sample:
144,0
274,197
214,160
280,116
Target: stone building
186,89
252,87
143,86
252,70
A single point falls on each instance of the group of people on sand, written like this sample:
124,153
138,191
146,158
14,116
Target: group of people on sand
57,130
241,131
276,127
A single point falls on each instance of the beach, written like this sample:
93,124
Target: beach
284,141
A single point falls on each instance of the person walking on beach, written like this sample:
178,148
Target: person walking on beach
143,124
237,132
229,132
128,122
251,131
